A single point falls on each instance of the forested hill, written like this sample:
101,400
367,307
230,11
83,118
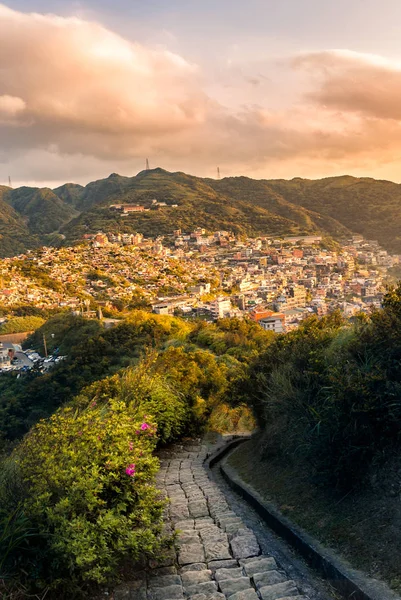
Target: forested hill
336,206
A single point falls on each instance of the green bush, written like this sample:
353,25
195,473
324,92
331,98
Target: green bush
21,324
17,535
328,394
89,476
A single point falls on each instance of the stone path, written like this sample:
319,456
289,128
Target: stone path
216,556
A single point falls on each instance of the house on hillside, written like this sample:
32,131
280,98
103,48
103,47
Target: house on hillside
7,352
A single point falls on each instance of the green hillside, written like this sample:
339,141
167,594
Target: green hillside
198,204
15,236
264,195
71,193
336,206
43,211
364,205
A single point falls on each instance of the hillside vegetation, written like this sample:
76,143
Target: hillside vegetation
42,210
327,398
77,490
336,206
77,493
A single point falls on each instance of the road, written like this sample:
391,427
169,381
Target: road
25,361
223,550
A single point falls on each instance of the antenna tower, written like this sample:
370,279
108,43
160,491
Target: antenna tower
147,164
9,181
218,172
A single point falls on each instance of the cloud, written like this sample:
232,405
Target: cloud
66,78
349,81
78,100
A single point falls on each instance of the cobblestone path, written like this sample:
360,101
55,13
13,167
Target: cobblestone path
216,556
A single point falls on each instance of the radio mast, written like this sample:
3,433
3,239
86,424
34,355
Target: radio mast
218,172
9,181
147,164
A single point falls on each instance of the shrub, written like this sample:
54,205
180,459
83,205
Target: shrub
16,531
226,419
89,477
21,324
145,392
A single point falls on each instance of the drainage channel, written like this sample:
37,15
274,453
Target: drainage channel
321,573
312,585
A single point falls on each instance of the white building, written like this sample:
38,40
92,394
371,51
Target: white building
220,308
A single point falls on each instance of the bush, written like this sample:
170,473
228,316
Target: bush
226,419
328,395
89,478
21,324
16,532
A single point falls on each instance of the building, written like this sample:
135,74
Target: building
293,297
7,353
220,308
274,322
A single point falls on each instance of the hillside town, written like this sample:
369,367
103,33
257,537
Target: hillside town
276,282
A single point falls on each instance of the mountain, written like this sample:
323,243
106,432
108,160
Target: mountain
71,193
367,206
335,206
43,211
264,195
197,204
15,236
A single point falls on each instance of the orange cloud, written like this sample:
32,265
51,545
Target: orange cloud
65,75
349,81
76,98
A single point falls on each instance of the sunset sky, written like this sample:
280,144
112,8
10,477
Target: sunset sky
264,88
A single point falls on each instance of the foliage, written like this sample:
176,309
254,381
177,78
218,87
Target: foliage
21,324
226,419
329,393
334,207
89,485
16,530
143,392
196,359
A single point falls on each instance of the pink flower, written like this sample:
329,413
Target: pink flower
131,446
145,426
130,470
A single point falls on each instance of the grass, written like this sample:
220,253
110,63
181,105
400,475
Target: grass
363,526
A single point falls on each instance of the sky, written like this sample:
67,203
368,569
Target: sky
262,88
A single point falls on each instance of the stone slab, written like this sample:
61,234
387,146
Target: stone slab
231,586
191,553
193,577
170,592
245,546
268,578
231,563
193,567
222,574
278,591
259,566
208,587
245,595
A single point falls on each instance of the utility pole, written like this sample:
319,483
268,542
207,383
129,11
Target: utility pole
45,345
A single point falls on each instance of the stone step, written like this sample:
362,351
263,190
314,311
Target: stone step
231,586
279,591
268,578
222,574
259,565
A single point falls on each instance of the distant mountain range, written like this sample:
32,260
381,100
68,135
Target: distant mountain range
335,206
